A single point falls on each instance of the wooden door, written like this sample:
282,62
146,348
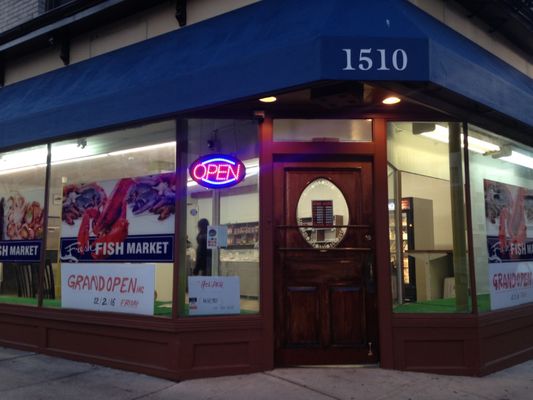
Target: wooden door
326,310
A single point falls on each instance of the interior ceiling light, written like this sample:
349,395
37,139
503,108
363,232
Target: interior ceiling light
270,99
440,134
61,154
519,159
143,148
504,153
391,100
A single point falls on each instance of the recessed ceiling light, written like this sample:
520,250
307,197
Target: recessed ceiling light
270,99
391,100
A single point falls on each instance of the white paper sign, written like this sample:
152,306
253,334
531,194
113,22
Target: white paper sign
119,288
217,236
511,284
209,295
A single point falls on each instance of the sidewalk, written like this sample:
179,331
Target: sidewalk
28,376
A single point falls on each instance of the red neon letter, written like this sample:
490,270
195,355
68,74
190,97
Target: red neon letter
235,170
223,172
196,174
211,171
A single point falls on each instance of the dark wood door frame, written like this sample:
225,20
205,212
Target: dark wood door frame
375,151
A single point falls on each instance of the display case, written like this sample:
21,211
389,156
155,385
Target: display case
416,237
244,235
243,263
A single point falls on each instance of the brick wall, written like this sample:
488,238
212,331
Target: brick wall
16,12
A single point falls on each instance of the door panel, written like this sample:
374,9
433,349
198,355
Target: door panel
347,320
303,328
325,290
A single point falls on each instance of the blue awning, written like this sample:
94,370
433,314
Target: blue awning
265,47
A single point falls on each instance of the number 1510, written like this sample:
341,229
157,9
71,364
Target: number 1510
378,59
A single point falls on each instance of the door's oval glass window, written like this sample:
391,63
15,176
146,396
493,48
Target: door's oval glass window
322,213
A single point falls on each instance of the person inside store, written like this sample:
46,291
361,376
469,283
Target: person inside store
203,254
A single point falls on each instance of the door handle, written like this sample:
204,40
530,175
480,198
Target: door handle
369,276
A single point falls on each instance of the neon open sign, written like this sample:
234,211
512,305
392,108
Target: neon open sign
217,171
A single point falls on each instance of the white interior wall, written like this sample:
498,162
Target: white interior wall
418,154
438,190
164,279
239,208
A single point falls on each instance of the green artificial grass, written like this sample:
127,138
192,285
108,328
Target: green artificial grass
441,306
161,308
164,309
29,301
186,312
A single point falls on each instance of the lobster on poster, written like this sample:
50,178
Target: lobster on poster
21,226
125,220
509,223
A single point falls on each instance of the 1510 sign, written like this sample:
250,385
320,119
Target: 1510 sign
376,59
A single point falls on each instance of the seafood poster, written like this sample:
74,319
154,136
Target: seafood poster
123,220
21,226
509,222
115,288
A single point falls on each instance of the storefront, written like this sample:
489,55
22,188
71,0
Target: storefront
158,217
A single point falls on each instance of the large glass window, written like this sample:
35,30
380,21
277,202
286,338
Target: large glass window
22,183
220,261
429,267
501,186
111,221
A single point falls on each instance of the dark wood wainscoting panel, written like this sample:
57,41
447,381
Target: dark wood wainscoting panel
184,349
153,350
506,338
208,355
420,354
20,334
431,343
222,352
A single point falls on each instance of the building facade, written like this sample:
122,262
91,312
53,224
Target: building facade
197,188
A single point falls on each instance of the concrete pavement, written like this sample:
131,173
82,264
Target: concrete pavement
28,376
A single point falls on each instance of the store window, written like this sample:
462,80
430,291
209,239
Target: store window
501,186
309,130
22,193
427,222
220,273
111,221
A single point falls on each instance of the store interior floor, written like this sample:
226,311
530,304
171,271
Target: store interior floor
441,305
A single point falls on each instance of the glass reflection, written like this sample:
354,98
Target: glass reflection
321,214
